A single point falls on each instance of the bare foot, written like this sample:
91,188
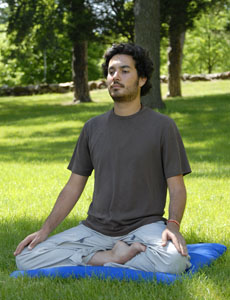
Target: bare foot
121,252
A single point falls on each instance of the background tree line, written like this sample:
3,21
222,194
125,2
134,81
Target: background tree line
40,40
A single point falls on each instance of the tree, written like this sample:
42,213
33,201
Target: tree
80,24
119,19
179,15
147,34
3,12
46,18
207,45
27,63
176,32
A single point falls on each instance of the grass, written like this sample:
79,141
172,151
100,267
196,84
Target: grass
37,137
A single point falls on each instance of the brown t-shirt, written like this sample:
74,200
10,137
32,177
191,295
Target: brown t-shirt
132,157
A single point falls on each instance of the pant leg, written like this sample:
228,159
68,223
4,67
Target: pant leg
156,258
72,247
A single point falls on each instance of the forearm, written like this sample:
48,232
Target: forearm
177,207
64,204
177,194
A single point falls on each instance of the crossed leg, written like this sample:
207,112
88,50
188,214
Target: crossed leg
83,246
120,253
78,246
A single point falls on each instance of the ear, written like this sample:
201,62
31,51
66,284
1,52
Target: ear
142,81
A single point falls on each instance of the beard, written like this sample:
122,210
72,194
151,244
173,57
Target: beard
124,94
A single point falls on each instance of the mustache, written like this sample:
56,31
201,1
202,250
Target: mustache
117,83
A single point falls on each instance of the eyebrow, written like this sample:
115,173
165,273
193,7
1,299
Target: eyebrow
121,67
125,66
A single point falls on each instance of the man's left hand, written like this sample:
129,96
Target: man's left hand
172,233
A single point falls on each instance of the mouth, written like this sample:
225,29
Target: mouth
115,86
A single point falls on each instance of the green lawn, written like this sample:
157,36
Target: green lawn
37,137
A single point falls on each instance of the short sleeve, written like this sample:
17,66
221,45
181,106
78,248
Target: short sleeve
80,162
174,158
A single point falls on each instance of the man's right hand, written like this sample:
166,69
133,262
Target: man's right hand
31,241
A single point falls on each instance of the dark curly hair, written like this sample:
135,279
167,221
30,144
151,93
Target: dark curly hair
143,63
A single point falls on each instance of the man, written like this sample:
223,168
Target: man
136,154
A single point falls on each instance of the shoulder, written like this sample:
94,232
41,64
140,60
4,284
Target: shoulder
100,119
97,121
158,118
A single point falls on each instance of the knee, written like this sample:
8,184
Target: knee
23,261
175,263
19,262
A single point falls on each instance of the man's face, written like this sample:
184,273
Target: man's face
122,79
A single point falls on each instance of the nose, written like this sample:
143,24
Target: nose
116,75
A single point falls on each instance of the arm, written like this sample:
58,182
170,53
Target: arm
64,204
177,193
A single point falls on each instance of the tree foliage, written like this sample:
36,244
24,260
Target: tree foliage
46,31
118,18
207,46
39,45
44,20
178,16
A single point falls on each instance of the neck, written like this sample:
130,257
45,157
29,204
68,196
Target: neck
127,108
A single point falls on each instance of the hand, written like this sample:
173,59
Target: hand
31,241
172,233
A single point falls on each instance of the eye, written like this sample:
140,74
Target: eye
111,72
125,71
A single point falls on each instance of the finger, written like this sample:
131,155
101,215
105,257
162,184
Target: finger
176,243
184,250
20,247
182,247
164,238
17,251
33,243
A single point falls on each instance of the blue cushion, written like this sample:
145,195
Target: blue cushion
201,255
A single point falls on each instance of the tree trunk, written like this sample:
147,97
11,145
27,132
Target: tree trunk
45,66
80,72
147,35
175,56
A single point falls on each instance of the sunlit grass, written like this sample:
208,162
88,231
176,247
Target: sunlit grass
37,138
201,88
189,88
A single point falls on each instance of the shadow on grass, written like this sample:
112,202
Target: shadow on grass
29,113
40,145
12,232
57,151
203,122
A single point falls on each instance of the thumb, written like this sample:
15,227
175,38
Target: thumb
164,238
33,244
